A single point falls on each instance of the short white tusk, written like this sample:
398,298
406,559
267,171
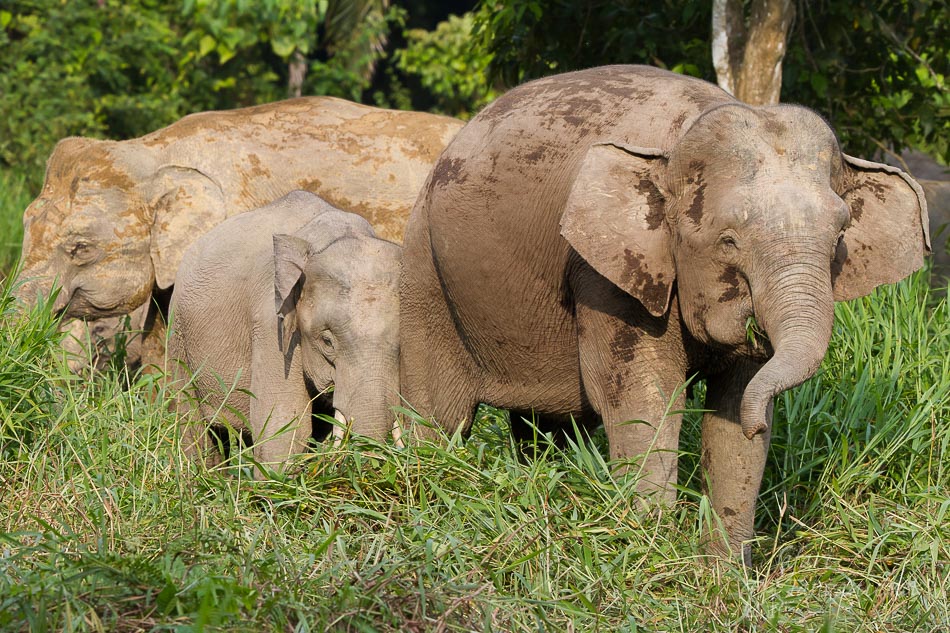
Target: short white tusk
339,430
397,434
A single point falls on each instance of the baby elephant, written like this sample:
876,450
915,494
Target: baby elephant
274,306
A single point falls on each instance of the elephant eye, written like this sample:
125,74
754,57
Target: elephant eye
326,340
81,251
728,241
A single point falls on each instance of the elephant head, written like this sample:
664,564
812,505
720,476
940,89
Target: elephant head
107,226
337,297
753,212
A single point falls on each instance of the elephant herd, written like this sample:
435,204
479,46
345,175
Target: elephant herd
580,249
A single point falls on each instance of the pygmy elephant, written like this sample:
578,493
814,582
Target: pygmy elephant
591,240
114,217
335,322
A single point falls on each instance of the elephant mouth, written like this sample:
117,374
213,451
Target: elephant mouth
80,304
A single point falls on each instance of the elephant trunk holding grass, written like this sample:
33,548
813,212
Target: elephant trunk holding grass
275,306
114,217
591,240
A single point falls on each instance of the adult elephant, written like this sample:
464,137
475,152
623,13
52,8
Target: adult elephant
591,240
114,217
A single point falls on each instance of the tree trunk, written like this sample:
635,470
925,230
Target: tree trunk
748,57
296,71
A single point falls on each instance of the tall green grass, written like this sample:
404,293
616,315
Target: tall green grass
15,195
105,525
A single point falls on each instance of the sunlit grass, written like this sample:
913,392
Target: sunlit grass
14,198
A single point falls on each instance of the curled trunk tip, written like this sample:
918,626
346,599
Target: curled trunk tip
752,427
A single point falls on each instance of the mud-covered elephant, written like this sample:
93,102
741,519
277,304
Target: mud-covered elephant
114,217
590,241
277,305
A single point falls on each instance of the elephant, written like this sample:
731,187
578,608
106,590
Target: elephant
334,322
592,240
114,217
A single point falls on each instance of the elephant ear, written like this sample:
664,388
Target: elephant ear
615,220
290,259
186,205
889,232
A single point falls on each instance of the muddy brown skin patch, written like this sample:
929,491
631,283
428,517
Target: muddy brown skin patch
695,210
623,91
448,170
499,108
655,201
857,209
678,122
624,344
651,291
879,191
531,157
730,277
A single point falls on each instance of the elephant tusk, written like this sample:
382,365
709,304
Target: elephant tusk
339,430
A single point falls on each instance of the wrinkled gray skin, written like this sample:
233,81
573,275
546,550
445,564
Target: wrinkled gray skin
591,240
334,322
114,217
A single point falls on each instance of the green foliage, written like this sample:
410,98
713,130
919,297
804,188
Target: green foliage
122,69
81,68
106,525
340,63
532,38
448,66
876,69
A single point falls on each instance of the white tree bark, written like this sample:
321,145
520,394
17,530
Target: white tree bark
748,54
728,40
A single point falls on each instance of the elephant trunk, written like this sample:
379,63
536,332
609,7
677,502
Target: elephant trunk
795,307
364,395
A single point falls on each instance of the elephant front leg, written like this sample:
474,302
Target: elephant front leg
280,406
633,376
281,426
732,465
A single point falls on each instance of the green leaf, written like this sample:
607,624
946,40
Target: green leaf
206,45
283,47
225,52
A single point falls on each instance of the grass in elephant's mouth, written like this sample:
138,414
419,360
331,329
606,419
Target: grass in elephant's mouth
755,336
106,525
